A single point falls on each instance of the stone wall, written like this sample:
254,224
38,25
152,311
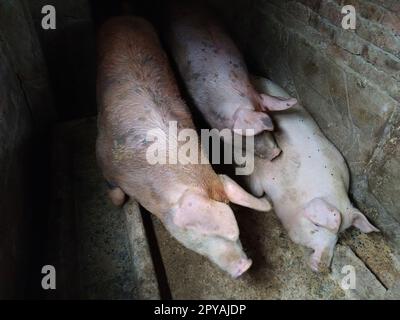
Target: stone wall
347,79
25,106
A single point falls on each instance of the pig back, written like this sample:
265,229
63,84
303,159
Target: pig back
137,92
132,66
211,65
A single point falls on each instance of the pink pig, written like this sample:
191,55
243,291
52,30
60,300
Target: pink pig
137,92
216,76
308,183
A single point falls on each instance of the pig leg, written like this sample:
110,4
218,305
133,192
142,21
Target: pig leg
265,145
239,196
271,103
321,259
320,233
249,119
116,195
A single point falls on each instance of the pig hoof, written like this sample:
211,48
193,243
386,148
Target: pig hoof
242,267
277,103
274,153
321,261
257,122
269,154
117,196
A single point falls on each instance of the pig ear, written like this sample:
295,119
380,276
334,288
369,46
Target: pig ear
208,217
250,119
361,222
238,195
321,213
271,103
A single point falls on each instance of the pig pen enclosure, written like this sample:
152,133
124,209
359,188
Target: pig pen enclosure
53,204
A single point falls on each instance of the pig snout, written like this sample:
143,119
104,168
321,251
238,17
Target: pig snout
230,257
241,267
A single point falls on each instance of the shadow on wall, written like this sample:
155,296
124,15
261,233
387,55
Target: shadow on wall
70,54
26,111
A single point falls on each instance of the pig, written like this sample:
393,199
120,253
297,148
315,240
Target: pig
308,183
216,76
136,93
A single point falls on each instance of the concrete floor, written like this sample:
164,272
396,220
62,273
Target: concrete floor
99,251
108,248
279,268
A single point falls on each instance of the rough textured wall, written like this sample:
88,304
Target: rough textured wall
70,55
347,79
25,105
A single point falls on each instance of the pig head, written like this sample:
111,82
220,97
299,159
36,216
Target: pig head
316,226
209,227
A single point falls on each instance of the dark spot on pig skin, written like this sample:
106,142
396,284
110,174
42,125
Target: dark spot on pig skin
120,140
147,59
195,76
111,185
234,75
218,116
267,121
145,142
109,82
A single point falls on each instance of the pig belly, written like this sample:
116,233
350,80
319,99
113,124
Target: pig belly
304,171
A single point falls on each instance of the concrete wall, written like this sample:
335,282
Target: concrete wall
347,79
25,106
